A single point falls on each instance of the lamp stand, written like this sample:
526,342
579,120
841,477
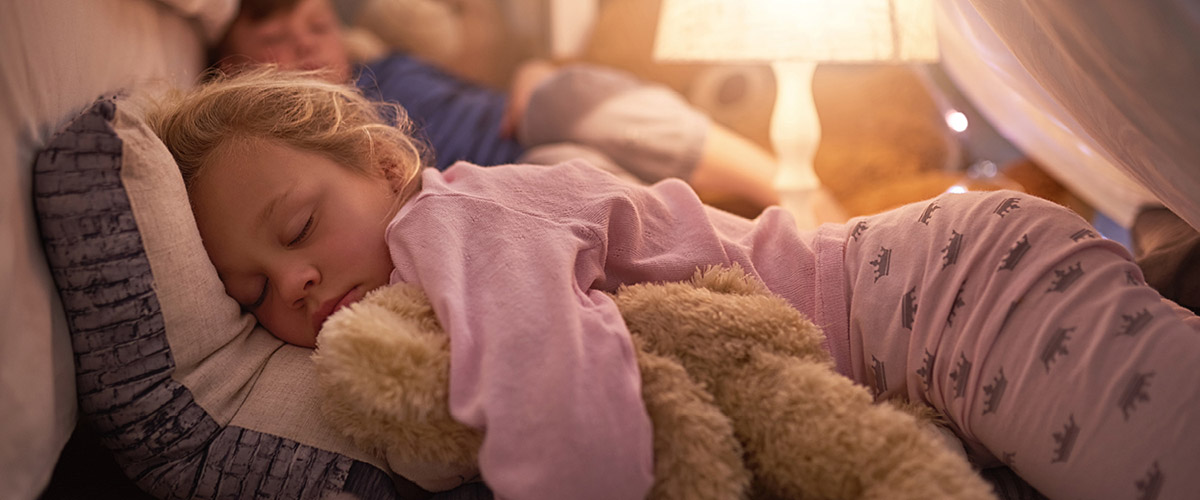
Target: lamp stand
795,135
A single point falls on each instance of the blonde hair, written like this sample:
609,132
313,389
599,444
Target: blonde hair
293,108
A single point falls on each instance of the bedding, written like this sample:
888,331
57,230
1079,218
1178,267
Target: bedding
56,56
192,398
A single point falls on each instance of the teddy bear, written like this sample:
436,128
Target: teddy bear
743,399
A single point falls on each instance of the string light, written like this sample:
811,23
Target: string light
956,120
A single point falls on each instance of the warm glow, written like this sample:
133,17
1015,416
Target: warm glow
802,30
794,36
956,120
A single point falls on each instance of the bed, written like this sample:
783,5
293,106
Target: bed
1110,111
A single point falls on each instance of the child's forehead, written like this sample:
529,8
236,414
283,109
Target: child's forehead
260,10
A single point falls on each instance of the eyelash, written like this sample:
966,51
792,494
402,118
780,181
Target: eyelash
303,232
262,296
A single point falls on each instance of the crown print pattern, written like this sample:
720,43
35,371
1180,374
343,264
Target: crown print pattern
1134,323
1134,392
880,374
1150,485
1064,278
962,372
1007,206
925,372
1083,234
948,268
928,213
1065,440
859,229
994,392
1015,254
908,309
882,263
952,249
1056,346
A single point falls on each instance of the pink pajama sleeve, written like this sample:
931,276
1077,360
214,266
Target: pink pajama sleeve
540,362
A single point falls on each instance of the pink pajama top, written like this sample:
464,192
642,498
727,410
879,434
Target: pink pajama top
516,261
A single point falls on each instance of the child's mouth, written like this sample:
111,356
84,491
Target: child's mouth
333,305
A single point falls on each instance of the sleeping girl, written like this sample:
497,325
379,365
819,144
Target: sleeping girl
1035,337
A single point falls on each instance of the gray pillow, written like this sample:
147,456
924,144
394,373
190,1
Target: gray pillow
193,399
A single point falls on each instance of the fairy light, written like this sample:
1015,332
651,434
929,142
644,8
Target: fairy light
956,120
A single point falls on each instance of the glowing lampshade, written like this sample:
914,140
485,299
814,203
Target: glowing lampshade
806,30
794,35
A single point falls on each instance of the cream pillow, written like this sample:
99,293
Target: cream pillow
193,399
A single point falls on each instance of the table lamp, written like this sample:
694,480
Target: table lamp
793,36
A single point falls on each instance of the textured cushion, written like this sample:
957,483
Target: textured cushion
193,399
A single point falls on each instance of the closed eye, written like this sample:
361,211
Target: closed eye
321,27
303,232
262,297
273,39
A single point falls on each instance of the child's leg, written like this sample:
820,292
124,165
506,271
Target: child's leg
652,132
1038,340
1091,389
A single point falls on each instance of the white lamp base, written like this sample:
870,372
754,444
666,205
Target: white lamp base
795,135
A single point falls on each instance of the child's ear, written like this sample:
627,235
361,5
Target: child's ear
393,174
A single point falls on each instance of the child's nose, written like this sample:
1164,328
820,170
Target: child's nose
304,42
303,47
296,283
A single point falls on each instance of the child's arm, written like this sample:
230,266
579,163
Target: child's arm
527,77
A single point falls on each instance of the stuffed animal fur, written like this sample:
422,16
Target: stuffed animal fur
743,399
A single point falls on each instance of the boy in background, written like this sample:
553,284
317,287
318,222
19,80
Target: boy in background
638,131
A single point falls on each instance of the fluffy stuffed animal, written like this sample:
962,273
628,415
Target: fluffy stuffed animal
743,399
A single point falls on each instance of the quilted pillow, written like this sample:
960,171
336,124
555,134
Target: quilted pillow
193,399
